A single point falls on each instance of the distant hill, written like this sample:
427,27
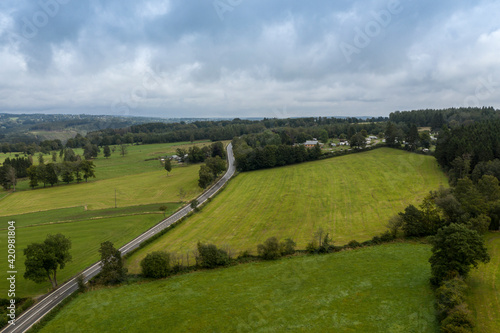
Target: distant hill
31,128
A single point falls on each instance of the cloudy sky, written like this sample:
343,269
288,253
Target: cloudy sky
247,58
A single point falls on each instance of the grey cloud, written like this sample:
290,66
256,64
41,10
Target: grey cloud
261,56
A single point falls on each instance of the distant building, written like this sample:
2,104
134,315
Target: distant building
311,143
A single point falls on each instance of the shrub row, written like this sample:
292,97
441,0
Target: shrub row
452,311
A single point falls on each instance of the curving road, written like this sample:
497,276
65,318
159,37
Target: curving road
51,300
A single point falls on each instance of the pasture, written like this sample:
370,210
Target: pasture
86,237
484,293
350,197
138,178
85,212
377,289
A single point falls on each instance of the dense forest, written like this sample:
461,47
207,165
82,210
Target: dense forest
451,117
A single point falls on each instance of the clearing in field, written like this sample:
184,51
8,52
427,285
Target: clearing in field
484,295
350,197
377,289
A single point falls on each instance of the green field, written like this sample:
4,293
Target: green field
143,188
74,214
137,182
134,162
484,295
85,212
351,197
86,236
378,289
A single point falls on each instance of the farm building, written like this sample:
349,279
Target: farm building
311,143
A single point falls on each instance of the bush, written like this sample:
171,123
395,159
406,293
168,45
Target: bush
386,237
458,320
367,243
450,295
376,240
353,244
80,281
156,265
194,204
270,250
245,254
311,247
209,256
325,246
287,247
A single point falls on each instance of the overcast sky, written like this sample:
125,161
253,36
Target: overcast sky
247,58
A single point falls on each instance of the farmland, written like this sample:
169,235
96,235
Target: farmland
484,293
86,212
137,177
350,197
139,159
378,289
86,237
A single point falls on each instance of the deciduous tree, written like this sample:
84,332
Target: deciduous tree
456,249
87,168
156,265
168,165
44,259
112,271
107,151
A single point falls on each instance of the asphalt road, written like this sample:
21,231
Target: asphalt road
52,299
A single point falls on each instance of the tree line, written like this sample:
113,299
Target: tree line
67,171
267,150
452,117
454,219
464,147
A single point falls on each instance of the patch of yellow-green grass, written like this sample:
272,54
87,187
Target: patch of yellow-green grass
350,197
131,190
484,294
378,289
86,237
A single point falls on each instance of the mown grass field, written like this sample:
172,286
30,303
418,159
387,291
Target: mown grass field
351,197
85,212
378,289
143,188
136,181
484,295
86,237
74,214
134,162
